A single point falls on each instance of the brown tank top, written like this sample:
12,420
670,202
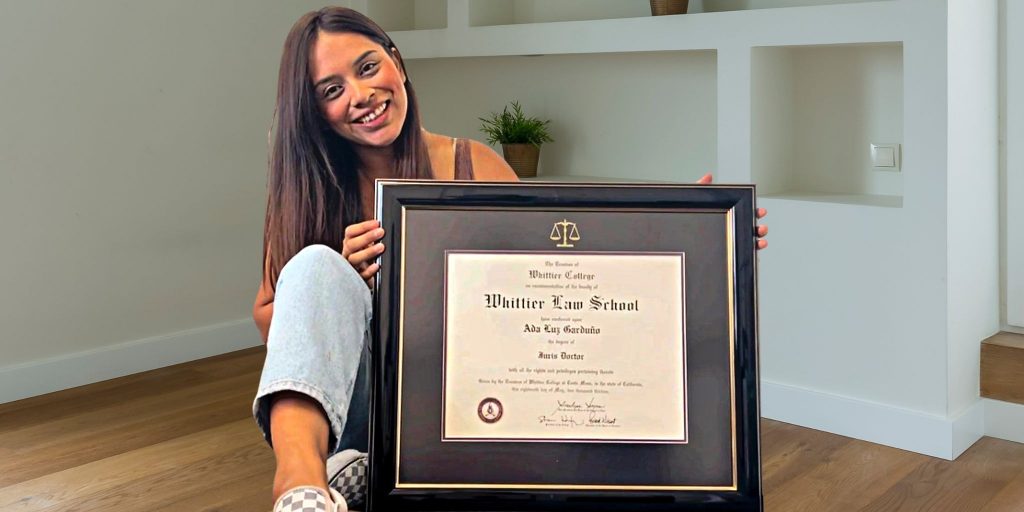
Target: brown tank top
463,159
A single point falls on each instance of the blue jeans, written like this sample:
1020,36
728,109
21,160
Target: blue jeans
319,346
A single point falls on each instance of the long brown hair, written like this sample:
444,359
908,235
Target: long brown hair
313,187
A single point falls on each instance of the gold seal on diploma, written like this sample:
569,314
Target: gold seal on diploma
489,410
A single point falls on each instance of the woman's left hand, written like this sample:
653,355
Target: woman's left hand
761,231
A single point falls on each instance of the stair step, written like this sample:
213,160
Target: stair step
1002,367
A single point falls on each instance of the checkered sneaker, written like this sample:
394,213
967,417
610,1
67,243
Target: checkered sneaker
305,499
350,480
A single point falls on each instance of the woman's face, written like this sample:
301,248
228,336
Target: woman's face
359,87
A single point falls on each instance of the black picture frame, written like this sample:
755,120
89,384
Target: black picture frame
713,224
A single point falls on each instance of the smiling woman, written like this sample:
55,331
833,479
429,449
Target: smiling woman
346,114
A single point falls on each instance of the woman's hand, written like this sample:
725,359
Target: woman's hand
361,246
761,230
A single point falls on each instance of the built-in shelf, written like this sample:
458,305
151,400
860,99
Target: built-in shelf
516,12
815,111
569,178
480,31
824,80
407,15
850,199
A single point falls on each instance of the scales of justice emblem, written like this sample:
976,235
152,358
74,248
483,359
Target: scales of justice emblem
565,231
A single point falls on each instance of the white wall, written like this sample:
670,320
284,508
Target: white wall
1012,67
611,115
133,146
972,213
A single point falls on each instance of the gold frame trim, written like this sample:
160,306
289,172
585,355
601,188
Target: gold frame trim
730,271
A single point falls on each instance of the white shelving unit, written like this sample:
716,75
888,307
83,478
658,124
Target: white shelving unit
744,37
878,287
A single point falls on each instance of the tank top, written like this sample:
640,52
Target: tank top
463,159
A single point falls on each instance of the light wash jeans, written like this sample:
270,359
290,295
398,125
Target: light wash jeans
319,345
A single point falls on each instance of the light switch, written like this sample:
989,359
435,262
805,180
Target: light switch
885,156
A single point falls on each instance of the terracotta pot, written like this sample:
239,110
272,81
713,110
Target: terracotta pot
663,7
522,158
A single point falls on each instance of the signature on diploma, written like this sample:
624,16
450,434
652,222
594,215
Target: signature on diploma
591,405
573,413
561,419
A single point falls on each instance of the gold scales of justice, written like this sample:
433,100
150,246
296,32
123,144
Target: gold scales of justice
565,231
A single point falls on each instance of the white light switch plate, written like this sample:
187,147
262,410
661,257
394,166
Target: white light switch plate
885,157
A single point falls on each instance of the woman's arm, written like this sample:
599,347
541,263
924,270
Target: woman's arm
263,307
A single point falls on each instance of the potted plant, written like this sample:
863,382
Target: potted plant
668,7
520,138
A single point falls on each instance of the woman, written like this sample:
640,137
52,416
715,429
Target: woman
346,115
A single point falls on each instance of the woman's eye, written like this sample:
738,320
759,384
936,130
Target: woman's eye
368,67
332,90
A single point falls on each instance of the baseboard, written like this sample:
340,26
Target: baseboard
67,371
906,429
968,428
1004,420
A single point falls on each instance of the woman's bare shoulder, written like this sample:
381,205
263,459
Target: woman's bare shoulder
488,165
442,155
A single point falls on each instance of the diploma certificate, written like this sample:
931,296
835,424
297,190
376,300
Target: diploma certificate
564,346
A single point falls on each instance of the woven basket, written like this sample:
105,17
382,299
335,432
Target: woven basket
663,7
522,158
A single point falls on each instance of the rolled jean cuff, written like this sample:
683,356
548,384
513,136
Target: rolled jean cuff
335,416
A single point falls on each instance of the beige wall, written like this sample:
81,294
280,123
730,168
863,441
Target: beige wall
132,167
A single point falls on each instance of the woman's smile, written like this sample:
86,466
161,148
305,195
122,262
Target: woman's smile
375,118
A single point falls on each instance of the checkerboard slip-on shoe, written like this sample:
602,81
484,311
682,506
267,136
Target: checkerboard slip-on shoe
347,473
310,499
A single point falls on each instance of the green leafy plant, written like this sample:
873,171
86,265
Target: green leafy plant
515,128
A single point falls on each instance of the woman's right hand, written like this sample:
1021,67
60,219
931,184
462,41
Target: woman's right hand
361,246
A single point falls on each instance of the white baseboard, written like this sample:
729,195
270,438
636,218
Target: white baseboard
67,371
968,428
906,429
1004,420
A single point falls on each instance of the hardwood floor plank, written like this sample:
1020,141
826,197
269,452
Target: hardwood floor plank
145,477
790,451
1011,498
83,446
965,485
252,493
845,480
130,409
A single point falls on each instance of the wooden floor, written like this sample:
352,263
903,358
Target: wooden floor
182,439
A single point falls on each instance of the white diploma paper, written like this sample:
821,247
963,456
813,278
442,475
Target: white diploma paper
564,346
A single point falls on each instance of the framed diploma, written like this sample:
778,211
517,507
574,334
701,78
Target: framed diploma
543,346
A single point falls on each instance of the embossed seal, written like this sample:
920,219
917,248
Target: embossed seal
489,410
